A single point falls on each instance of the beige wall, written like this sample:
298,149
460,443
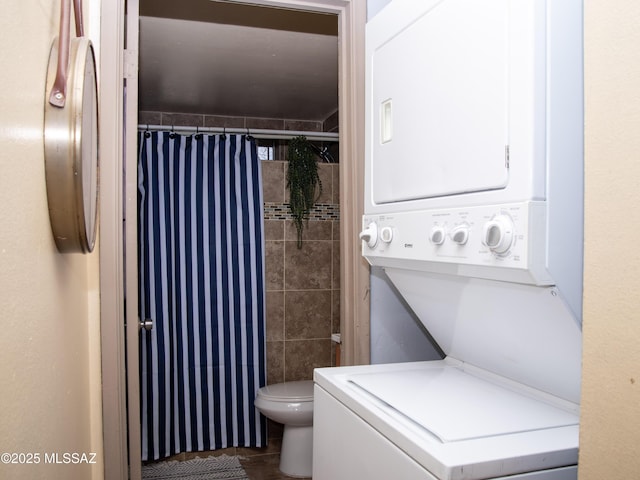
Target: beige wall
49,345
610,424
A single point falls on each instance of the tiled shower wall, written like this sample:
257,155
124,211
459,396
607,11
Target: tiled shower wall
303,285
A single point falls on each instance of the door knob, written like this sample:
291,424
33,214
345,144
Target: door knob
147,324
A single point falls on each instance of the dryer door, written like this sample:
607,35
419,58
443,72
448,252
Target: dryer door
440,103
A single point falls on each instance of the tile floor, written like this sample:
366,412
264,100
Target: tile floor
258,463
263,467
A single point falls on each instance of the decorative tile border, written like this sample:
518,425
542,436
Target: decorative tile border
321,211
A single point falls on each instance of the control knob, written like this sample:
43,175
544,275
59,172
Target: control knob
437,235
386,234
370,235
460,234
498,234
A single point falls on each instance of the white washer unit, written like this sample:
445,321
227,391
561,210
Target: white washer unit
474,209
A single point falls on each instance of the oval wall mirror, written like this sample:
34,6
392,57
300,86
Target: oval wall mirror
71,149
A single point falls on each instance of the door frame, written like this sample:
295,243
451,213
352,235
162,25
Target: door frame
118,62
111,235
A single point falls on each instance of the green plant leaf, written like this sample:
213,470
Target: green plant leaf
303,182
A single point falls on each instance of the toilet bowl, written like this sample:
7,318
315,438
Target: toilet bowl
291,404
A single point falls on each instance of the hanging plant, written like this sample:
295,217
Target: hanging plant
303,182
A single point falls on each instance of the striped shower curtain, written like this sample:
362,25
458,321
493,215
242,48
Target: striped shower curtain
201,281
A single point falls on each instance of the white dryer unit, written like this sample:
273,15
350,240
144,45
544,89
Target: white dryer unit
474,209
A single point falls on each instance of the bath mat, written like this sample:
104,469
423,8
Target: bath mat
223,467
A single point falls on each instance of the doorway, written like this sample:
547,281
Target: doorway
354,273
257,72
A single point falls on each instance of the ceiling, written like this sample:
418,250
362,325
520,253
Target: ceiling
219,58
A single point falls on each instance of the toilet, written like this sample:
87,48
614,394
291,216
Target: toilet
291,403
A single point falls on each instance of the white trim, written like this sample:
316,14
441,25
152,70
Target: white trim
130,72
114,411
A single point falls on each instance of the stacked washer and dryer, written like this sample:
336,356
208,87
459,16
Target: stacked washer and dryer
474,194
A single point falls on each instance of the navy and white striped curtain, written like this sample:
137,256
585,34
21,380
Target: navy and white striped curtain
201,281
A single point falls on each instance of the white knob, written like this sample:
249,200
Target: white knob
498,234
437,235
386,234
460,234
370,235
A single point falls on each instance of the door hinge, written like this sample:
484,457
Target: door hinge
506,156
130,60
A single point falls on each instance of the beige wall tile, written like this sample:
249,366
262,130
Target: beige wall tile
302,356
150,118
335,265
275,362
219,121
183,119
313,230
335,311
273,181
303,125
274,265
325,172
308,267
275,316
307,314
274,229
266,123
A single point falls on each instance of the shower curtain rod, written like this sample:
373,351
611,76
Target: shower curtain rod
254,132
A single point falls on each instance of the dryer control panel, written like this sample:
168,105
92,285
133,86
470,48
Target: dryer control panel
500,242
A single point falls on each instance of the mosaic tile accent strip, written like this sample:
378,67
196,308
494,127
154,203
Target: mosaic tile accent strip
321,211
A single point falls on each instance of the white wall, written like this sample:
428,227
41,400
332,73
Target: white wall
396,332
49,346
610,422
374,6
